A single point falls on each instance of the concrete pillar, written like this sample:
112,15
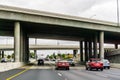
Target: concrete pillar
35,53
21,44
2,54
101,47
26,50
24,47
95,46
90,49
116,46
74,53
81,51
17,41
86,51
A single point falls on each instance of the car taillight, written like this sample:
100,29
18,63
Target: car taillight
101,63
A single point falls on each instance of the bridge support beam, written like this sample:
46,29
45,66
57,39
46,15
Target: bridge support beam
0,55
81,51
95,46
75,53
35,53
20,44
90,49
17,41
3,55
86,51
101,47
116,46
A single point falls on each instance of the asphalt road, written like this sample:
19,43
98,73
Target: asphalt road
36,73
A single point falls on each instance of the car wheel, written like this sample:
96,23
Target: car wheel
86,68
97,69
104,67
108,67
101,69
89,68
56,68
68,68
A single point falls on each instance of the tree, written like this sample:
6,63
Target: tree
63,56
54,56
9,56
13,55
32,55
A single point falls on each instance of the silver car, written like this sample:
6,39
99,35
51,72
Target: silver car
106,63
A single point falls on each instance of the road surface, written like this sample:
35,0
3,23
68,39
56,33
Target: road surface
37,73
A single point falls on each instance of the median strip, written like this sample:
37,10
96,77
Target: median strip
18,74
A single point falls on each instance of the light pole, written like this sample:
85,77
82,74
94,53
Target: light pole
117,13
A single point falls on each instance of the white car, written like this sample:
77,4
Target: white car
106,63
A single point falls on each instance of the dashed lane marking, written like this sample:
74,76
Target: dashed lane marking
59,74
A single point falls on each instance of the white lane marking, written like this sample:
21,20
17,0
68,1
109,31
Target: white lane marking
59,74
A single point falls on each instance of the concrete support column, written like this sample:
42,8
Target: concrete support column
74,53
17,41
2,54
21,44
116,46
81,51
24,47
101,47
86,51
95,46
26,50
90,49
35,53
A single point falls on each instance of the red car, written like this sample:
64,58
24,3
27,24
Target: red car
94,63
62,65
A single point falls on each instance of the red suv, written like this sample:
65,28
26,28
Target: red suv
94,63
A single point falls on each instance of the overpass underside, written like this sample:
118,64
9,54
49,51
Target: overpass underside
23,25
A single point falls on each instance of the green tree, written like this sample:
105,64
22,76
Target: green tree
63,56
32,54
9,56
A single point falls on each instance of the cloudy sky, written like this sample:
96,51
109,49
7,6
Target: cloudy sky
96,9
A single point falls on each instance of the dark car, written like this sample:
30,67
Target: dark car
40,61
3,60
94,63
71,62
62,65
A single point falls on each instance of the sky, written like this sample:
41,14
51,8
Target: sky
95,9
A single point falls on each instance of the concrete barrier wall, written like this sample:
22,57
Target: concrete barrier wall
9,66
115,65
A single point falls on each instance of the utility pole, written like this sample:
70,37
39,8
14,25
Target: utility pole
117,13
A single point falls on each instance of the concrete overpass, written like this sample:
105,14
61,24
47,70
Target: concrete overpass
49,47
43,47
25,23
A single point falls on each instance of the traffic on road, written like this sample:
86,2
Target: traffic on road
48,72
